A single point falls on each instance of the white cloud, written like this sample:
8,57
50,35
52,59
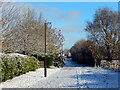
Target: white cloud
69,16
71,28
56,14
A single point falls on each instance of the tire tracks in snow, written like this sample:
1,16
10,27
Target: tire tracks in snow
77,76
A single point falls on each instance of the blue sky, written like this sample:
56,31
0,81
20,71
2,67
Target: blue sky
71,17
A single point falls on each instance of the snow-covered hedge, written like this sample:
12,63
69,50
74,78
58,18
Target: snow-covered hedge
14,65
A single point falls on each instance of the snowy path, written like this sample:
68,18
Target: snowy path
67,77
85,77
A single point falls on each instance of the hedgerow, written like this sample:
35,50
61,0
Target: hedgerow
49,60
15,65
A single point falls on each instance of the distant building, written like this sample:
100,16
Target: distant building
69,54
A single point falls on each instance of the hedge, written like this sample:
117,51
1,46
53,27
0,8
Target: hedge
49,59
15,65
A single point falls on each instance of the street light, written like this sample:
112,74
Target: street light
45,66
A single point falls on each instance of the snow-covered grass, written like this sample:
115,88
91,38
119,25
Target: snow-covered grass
27,79
67,77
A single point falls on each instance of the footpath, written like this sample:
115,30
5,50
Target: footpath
72,75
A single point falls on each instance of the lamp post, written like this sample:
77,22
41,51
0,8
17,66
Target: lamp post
45,66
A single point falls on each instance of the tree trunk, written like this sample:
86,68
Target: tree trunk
108,53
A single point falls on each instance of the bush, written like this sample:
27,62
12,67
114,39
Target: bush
49,59
41,58
15,65
59,62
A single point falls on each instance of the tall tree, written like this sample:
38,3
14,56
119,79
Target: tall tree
8,19
28,34
103,30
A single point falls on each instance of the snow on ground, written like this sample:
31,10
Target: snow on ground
70,63
80,77
71,76
27,79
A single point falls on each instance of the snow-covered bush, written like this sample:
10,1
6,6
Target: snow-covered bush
14,65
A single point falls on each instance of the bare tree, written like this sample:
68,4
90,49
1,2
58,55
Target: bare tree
104,30
9,16
27,34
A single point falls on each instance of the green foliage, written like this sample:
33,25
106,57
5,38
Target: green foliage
41,58
12,66
49,59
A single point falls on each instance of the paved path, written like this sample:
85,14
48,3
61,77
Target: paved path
71,76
